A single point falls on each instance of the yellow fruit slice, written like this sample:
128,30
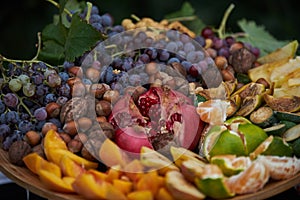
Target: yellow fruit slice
138,195
53,141
280,167
181,154
250,180
292,133
54,183
213,183
287,51
34,162
230,164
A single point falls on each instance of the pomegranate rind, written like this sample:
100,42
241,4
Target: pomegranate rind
280,167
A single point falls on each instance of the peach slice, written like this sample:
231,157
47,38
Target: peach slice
57,154
34,162
90,188
138,195
53,141
164,194
97,174
149,181
122,185
134,170
111,154
54,182
87,186
113,173
70,167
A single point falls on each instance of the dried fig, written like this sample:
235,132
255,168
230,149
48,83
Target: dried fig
17,151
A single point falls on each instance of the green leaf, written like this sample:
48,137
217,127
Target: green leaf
258,37
81,38
57,33
185,10
52,53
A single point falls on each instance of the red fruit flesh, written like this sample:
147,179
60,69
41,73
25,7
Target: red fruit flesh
168,117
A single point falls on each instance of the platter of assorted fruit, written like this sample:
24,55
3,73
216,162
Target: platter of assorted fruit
151,110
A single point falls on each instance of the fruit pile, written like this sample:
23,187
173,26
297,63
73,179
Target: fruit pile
150,109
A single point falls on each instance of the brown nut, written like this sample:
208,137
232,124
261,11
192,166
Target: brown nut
17,151
70,128
66,137
39,149
107,129
71,81
78,89
151,68
101,119
85,153
179,68
84,123
73,109
53,109
227,75
111,96
103,108
98,89
93,74
75,71
221,62
48,126
81,137
33,138
75,146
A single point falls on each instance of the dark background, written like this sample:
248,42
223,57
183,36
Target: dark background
20,20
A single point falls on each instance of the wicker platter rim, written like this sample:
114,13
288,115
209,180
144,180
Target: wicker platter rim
26,179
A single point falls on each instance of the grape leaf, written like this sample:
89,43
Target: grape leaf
258,37
61,42
186,10
81,38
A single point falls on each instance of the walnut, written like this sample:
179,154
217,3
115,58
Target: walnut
73,109
242,60
17,151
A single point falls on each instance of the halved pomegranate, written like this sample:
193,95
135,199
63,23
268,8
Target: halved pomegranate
159,117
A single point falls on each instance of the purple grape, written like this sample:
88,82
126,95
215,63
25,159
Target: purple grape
98,27
218,43
135,80
195,56
25,126
188,47
200,40
62,100
107,20
152,53
144,58
255,51
55,121
224,52
172,60
49,98
64,90
16,136
4,130
37,78
2,106
127,64
172,46
40,114
64,76
53,80
10,100
3,119
163,55
184,38
12,117
187,65
68,65
207,32
39,125
95,18
94,10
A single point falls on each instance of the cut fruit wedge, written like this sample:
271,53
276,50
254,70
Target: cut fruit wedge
237,119
252,179
156,160
181,154
287,51
292,133
284,104
230,164
280,167
273,145
213,183
55,183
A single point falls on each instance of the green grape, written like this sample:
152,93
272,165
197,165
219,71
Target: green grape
24,79
29,89
15,85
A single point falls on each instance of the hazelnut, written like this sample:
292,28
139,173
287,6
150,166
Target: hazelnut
98,90
33,138
227,75
221,62
39,149
236,46
66,137
78,89
70,128
107,129
151,68
75,146
75,71
101,119
85,153
53,109
111,96
81,137
48,126
84,123
71,81
93,74
103,108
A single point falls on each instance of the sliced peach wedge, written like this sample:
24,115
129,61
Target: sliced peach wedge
34,162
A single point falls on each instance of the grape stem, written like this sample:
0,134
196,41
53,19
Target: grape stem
221,30
185,18
89,11
58,6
